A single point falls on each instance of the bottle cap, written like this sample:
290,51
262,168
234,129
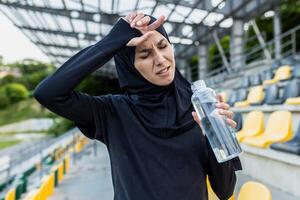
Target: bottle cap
198,85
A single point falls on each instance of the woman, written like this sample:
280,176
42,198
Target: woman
156,148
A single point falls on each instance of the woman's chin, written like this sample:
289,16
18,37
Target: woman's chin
165,82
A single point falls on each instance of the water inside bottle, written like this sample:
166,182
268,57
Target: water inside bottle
223,143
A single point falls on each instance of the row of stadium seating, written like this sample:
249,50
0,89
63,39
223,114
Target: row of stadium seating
277,85
274,94
277,135
289,68
267,77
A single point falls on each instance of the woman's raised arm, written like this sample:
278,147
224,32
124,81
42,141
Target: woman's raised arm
56,92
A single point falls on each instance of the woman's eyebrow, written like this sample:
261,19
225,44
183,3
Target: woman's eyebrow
144,50
159,43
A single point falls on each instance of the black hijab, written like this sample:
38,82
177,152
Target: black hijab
165,111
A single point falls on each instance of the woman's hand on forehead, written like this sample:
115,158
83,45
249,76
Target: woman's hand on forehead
141,22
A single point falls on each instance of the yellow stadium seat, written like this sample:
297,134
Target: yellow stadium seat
282,73
211,194
11,194
293,101
279,129
253,125
254,191
60,172
256,96
33,195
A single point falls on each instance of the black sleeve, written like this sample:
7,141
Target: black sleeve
222,175
56,92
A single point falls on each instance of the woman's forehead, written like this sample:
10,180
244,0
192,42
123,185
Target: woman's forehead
155,39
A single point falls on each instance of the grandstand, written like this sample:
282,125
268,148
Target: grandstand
261,83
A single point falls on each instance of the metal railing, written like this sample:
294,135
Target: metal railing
24,158
256,54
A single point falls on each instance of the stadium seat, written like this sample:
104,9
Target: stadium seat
255,79
255,97
271,94
291,146
276,64
282,73
267,74
290,90
279,129
293,101
289,61
232,97
238,118
254,191
211,193
241,95
253,125
245,82
237,95
296,71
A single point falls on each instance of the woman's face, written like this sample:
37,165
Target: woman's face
154,59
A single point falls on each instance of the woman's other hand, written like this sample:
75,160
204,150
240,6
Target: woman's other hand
224,109
141,22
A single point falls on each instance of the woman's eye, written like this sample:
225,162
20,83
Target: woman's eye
144,57
164,46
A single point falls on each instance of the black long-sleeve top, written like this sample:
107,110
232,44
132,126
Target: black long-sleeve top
144,167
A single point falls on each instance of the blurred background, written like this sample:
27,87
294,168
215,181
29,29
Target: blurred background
247,50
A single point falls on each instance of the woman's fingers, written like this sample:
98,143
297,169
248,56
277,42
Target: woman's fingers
221,105
144,21
220,98
132,16
156,24
138,40
196,118
140,22
135,19
231,123
227,113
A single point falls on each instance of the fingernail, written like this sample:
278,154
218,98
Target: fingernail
139,23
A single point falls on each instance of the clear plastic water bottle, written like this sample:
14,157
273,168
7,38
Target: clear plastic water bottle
220,135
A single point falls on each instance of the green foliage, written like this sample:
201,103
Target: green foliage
7,79
4,100
15,92
215,60
290,17
193,63
33,72
28,108
60,126
32,66
5,144
98,85
33,79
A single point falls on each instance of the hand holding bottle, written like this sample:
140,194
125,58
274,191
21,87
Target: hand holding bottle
223,110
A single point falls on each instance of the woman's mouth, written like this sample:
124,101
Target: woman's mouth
163,71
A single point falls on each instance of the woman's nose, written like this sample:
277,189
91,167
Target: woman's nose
159,59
